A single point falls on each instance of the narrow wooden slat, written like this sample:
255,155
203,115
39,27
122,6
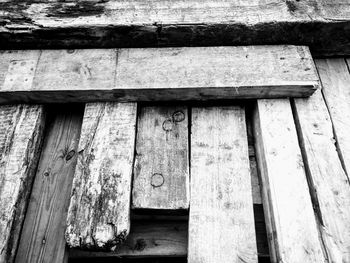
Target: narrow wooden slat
324,25
335,78
163,74
161,172
21,129
290,219
99,212
147,239
42,237
328,181
221,223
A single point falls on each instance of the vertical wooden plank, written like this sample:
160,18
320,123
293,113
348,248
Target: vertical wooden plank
99,212
291,223
161,173
21,129
221,224
328,181
42,238
335,78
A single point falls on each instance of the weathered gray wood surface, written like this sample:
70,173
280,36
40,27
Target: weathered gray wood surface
21,129
289,213
221,221
328,181
335,78
99,212
42,237
323,25
161,173
200,73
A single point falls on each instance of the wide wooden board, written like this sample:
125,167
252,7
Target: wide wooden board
221,221
323,25
328,181
163,74
335,78
21,130
291,222
42,237
99,212
161,171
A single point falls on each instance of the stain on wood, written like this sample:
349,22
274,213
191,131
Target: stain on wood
99,212
161,171
321,24
42,237
291,222
329,183
21,134
221,221
163,74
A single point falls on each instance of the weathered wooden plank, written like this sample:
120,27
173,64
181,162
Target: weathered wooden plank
335,80
147,239
198,73
221,223
328,181
321,24
161,171
21,129
162,237
42,237
99,212
290,219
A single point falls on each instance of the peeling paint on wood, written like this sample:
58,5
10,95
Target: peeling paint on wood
99,212
321,24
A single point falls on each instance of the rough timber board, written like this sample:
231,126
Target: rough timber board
335,78
221,220
321,24
147,239
21,129
99,212
290,219
328,181
161,171
200,73
42,237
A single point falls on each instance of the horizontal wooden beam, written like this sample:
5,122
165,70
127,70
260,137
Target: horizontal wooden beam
160,74
323,25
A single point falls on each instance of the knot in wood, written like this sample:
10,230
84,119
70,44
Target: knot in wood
178,116
70,155
157,180
70,51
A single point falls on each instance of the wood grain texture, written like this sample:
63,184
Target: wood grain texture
221,223
290,219
335,78
99,212
161,171
163,74
321,24
147,239
42,237
21,130
328,181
